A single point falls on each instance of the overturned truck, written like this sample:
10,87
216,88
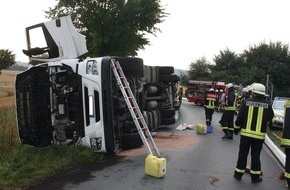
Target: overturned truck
64,101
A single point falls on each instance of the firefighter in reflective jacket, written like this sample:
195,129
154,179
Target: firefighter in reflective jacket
285,141
227,120
252,121
210,104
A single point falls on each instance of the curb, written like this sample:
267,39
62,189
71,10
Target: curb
281,157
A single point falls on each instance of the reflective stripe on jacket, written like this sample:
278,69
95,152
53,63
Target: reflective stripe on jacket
253,117
210,101
231,100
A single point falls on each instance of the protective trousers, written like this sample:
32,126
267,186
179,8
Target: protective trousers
256,146
287,166
227,122
208,115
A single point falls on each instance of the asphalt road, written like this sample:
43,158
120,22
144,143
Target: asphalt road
194,162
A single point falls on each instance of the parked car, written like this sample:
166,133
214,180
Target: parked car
278,108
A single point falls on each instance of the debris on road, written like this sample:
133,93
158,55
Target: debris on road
184,126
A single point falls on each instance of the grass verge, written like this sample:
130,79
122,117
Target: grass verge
22,166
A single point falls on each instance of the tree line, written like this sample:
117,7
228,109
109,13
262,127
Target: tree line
266,63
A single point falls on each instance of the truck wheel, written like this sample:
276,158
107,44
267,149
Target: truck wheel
132,65
169,78
150,123
154,74
156,116
130,141
145,115
166,70
147,73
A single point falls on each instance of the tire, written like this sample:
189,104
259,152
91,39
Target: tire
166,70
168,121
156,117
151,105
130,141
132,65
145,115
148,74
154,75
169,78
150,120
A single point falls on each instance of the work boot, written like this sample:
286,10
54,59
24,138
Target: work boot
230,137
239,178
225,136
260,179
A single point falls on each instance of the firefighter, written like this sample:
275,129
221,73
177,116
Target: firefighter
252,121
285,141
209,105
245,95
242,99
227,120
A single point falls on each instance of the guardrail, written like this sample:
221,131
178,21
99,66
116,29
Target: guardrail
281,157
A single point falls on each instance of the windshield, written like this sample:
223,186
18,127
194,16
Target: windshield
279,105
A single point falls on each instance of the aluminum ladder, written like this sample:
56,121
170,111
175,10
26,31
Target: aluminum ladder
134,109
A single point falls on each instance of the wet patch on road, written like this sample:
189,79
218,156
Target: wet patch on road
166,142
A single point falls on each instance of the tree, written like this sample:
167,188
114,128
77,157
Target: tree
7,59
199,70
184,78
112,27
270,59
227,65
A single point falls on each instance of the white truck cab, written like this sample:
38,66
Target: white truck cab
64,101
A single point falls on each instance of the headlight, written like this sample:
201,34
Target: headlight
279,118
96,143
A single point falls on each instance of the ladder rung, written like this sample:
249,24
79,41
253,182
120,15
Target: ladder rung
132,106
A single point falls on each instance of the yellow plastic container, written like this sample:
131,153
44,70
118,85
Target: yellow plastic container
201,129
155,167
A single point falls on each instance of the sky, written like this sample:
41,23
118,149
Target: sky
194,28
